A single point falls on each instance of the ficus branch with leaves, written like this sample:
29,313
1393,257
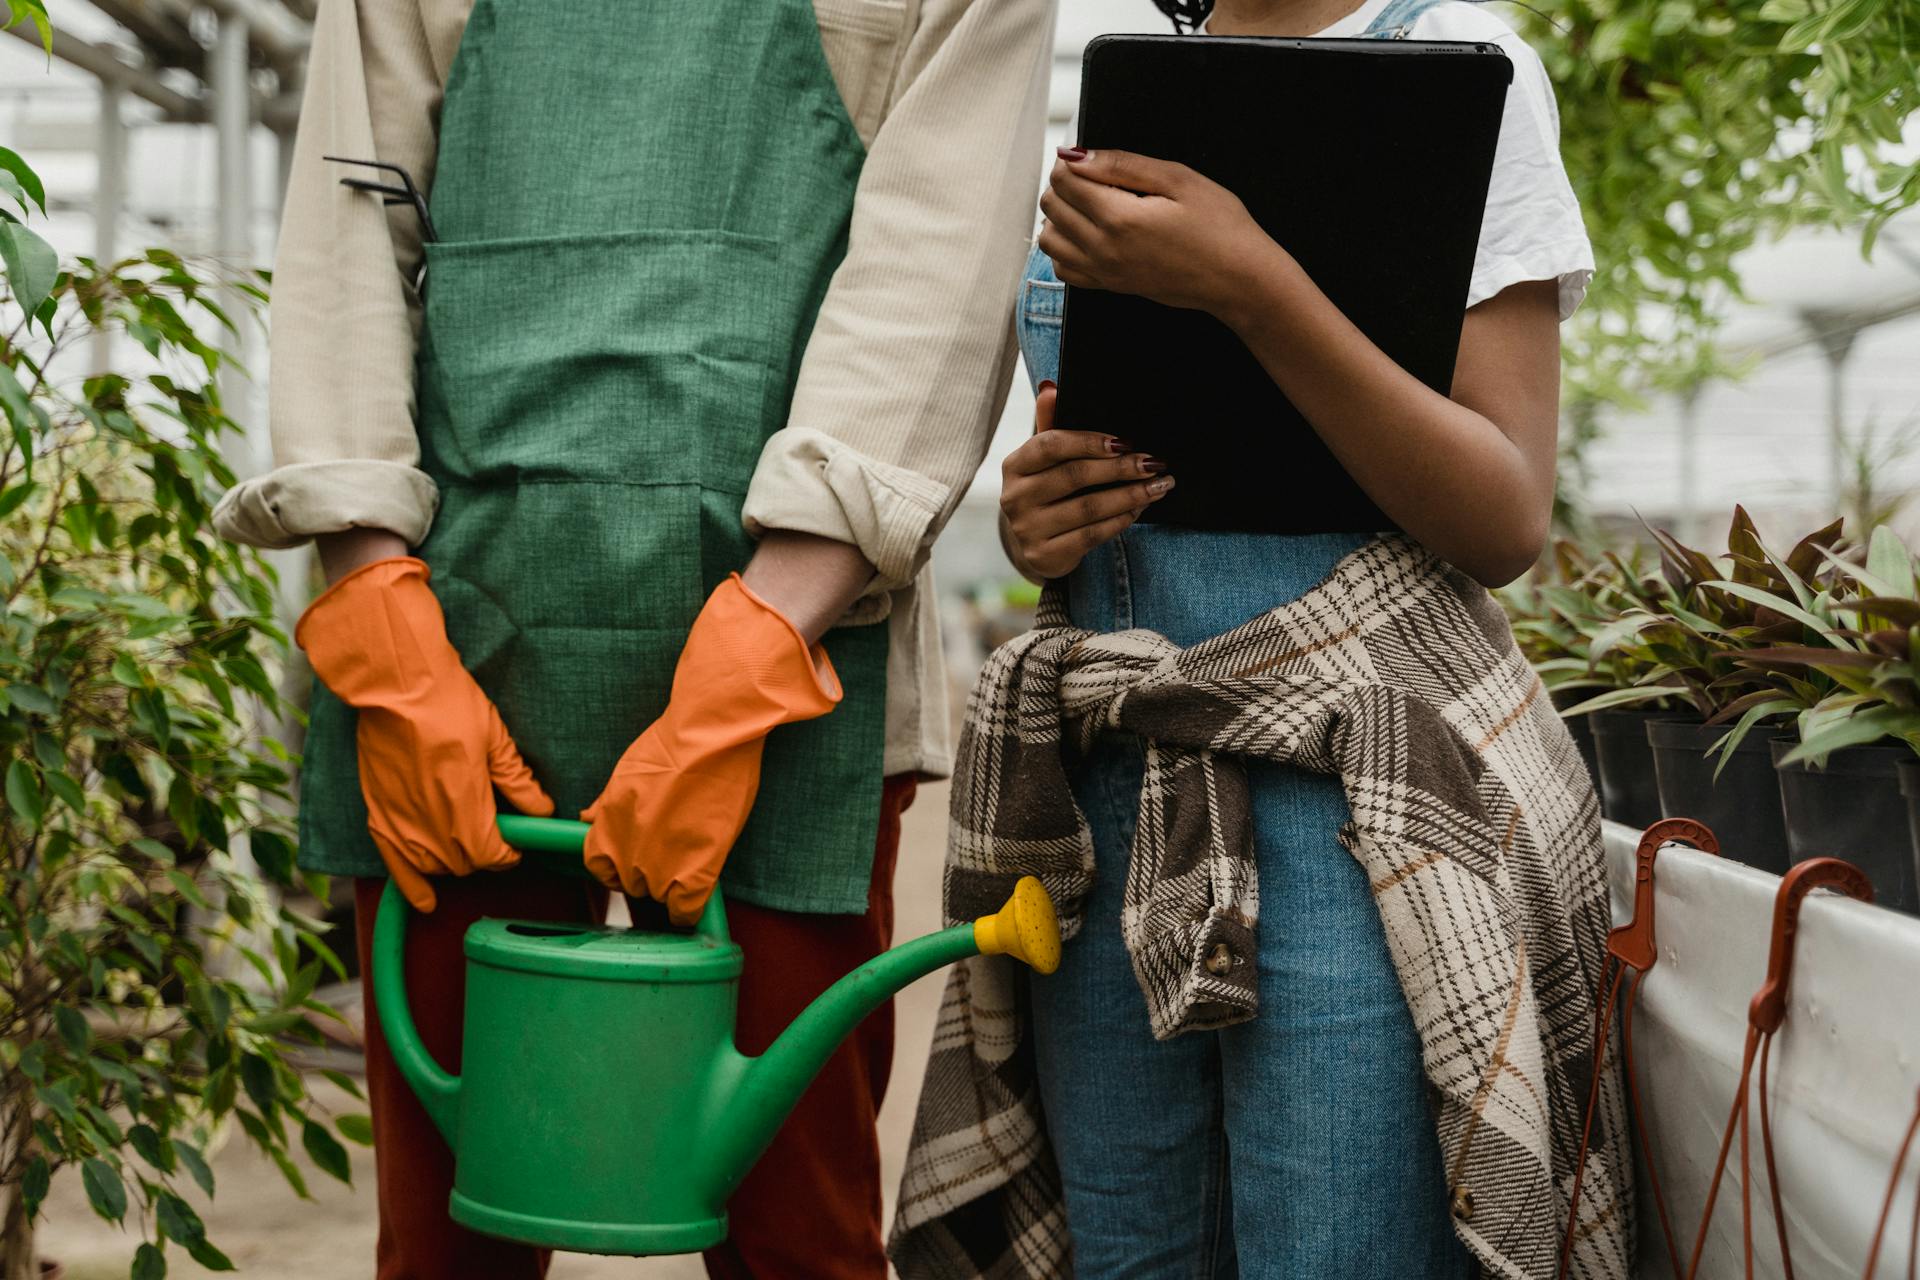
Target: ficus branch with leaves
152,988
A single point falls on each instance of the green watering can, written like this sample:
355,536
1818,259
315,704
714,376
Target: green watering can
545,1151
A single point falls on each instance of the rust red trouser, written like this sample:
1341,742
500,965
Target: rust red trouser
810,1208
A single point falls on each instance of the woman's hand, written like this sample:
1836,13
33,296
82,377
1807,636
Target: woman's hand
1130,224
1053,510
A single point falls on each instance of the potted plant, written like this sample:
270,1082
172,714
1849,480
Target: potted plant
1653,661
151,985
1553,616
1637,688
1840,775
1574,626
1706,768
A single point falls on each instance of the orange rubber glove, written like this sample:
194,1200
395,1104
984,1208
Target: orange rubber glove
677,800
432,746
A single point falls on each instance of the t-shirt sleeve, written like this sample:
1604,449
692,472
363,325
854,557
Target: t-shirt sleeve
1532,229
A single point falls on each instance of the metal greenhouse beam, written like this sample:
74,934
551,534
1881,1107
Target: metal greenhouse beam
103,62
279,37
280,113
163,36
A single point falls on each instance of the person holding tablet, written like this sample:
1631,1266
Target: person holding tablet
1299,1141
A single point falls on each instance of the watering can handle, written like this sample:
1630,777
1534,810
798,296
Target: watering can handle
552,840
437,1089
559,844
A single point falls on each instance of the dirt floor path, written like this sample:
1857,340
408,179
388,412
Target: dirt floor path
270,1234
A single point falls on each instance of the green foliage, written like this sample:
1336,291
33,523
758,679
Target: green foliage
1715,611
151,987
1694,129
1605,633
34,11
1874,455
1862,646
1815,637
1572,623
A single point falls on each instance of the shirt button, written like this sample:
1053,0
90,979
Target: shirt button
1220,960
1463,1204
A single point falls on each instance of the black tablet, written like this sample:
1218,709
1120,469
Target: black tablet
1369,161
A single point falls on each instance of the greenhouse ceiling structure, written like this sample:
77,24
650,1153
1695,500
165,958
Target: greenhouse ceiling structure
225,64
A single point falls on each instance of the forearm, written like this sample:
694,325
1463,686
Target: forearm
342,553
1446,474
810,579
813,581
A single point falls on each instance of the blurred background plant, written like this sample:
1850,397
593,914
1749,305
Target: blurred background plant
1873,457
1693,129
1577,598
152,986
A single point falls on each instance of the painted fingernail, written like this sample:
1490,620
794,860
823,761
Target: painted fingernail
1073,155
1118,447
1160,487
1048,384
1152,467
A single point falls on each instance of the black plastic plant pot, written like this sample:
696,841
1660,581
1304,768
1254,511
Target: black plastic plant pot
1909,773
1628,791
1742,805
1581,729
1852,808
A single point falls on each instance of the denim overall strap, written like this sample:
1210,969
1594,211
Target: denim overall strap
1397,20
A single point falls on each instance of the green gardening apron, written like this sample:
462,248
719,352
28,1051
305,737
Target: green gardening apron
640,205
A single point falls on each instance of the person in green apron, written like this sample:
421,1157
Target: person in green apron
688,408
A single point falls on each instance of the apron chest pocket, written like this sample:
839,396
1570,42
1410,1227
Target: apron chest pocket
594,358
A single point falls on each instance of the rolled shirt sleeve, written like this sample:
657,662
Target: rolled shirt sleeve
912,355
345,314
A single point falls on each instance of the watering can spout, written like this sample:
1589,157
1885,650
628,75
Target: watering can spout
1025,928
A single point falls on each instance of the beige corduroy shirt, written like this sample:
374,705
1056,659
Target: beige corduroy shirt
904,377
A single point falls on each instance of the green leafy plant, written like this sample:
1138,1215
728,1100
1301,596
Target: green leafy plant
1700,635
1860,652
1873,455
1714,634
1559,611
1577,625
1695,129
152,987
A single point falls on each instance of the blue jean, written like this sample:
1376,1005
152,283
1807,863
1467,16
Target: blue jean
1300,1143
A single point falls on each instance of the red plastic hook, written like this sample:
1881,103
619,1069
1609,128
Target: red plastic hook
1633,941
1769,1007
1765,1013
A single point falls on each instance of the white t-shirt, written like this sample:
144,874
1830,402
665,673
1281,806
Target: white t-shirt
1532,229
